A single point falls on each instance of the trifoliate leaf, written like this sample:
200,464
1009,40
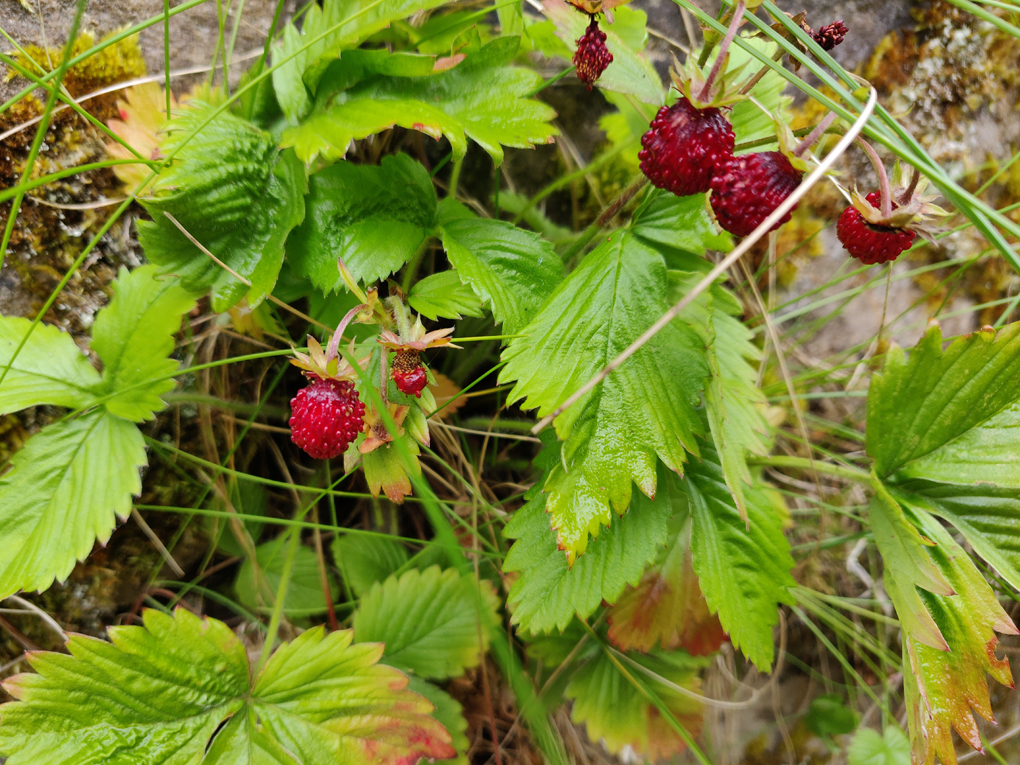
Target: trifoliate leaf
512,270
50,369
65,488
630,72
954,413
159,694
449,712
614,710
548,592
325,31
304,590
942,687
443,295
869,747
231,190
365,560
681,222
372,217
134,337
609,300
744,567
431,621
481,98
667,608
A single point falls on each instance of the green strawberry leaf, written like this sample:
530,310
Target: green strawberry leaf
548,591
680,222
733,402
230,189
749,122
482,98
614,710
65,488
594,314
304,590
365,560
134,337
434,623
443,295
159,694
869,747
372,218
943,686
954,412
630,72
667,607
449,713
743,566
988,518
326,31
50,369
512,270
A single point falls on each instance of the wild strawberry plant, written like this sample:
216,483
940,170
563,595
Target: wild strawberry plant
646,533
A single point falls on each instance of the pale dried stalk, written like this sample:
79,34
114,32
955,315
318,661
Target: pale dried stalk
766,225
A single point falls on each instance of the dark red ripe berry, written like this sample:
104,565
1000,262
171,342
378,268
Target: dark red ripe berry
831,35
408,374
748,188
867,242
326,417
683,145
592,56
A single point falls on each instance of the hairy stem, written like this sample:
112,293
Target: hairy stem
724,46
815,134
883,179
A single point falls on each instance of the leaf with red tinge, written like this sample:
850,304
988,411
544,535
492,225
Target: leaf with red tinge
667,607
179,690
614,710
944,687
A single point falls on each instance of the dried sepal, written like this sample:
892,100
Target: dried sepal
689,79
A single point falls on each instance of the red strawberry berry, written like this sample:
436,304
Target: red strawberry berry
326,417
831,35
592,56
748,188
868,242
408,374
683,145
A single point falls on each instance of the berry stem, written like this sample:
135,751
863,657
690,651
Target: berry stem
334,341
724,46
908,192
815,134
777,57
883,179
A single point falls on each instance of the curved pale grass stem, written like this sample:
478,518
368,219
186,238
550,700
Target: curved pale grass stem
766,225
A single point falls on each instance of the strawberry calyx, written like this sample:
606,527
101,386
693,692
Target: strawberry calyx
912,209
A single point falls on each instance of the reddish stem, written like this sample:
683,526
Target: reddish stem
908,193
883,179
724,46
815,134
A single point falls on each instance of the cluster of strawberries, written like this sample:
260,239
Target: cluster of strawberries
689,149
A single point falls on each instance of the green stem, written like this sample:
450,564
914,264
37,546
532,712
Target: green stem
44,126
455,177
412,265
281,595
166,55
852,474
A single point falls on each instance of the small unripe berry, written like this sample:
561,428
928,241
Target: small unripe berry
592,56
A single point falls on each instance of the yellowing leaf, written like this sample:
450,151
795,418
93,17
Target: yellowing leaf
179,690
613,710
667,608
